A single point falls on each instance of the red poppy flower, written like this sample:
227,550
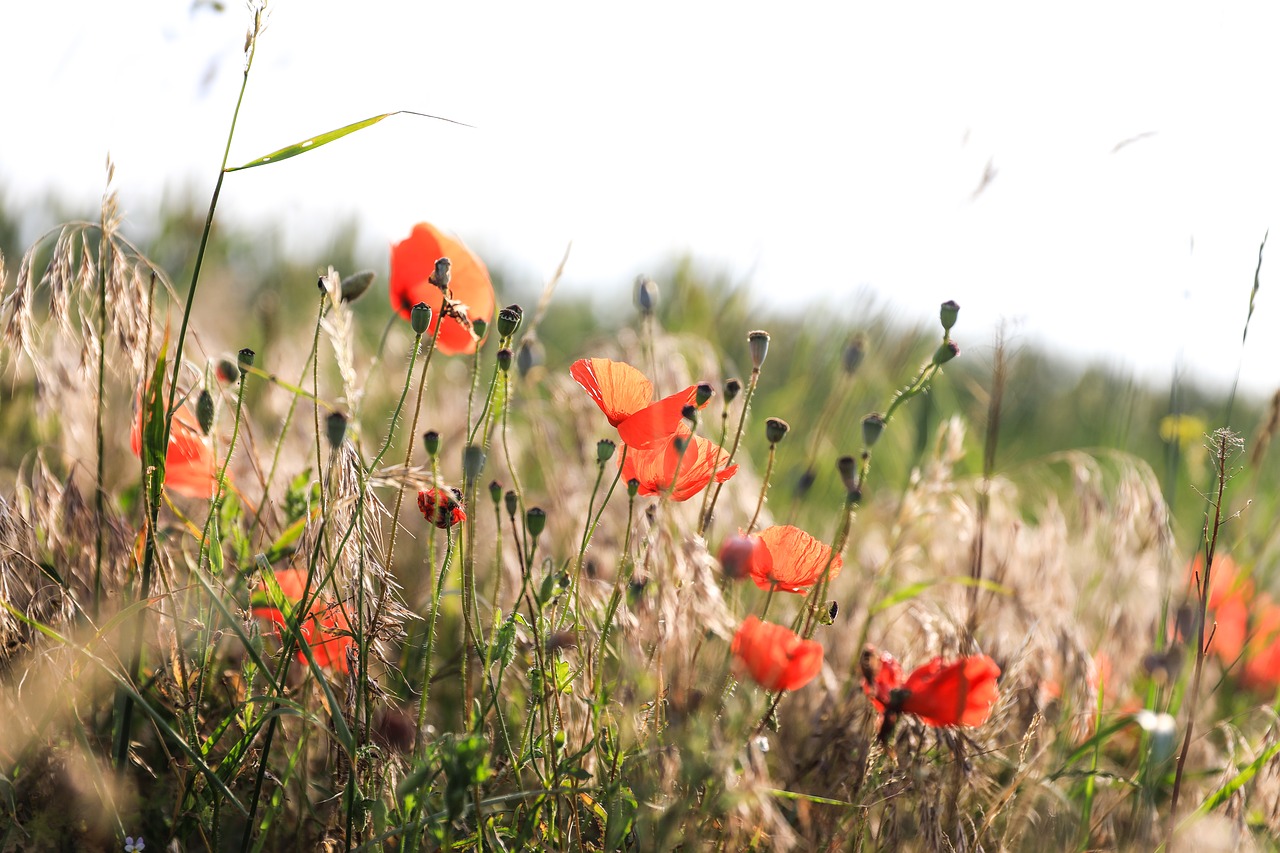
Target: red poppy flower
1229,597
617,388
661,469
189,466
441,507
960,693
326,629
776,658
791,560
1262,654
413,260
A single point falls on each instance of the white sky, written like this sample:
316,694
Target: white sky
814,148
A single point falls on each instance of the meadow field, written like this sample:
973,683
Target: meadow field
395,552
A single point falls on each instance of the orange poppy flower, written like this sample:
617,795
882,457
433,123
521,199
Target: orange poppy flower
775,657
616,387
326,629
961,693
189,466
1262,654
660,468
1229,595
413,260
791,560
654,424
442,507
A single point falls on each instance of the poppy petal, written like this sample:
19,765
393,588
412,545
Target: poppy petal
776,658
616,387
955,694
654,423
413,260
797,560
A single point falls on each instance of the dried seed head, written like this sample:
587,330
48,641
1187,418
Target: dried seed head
509,320
758,343
775,429
441,274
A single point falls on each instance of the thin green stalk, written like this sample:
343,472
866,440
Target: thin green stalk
764,487
413,429
737,439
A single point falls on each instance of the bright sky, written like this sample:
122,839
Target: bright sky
814,149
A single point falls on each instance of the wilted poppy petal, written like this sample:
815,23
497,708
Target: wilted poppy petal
776,658
796,560
657,422
617,388
413,260
952,694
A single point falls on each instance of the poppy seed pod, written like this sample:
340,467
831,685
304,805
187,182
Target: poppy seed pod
509,320
689,413
946,352
536,520
227,371
853,354
703,394
872,427
354,285
478,328
244,359
950,310
472,463
646,295
775,429
530,355
680,443
805,482
604,450
848,468
758,343
204,410
335,428
441,274
495,492
431,441
505,357
731,389
633,486
511,501
420,318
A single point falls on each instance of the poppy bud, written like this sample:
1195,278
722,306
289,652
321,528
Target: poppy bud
690,413
805,483
321,284
646,295
848,468
950,310
227,371
758,343
479,327
604,450
512,502
775,429
703,394
946,352
431,441
505,357
204,410
535,518
530,355
420,318
472,463
731,389
872,427
633,486
495,492
244,359
335,427
680,443
509,320
736,554
440,275
853,353
354,285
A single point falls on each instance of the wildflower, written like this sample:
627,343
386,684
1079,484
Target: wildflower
791,560
1262,653
442,507
775,657
413,262
738,554
189,466
960,693
617,388
662,468
325,628
134,845
656,423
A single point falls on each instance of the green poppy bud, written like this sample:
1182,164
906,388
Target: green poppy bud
775,429
420,318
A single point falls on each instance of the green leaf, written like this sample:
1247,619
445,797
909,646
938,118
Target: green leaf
912,590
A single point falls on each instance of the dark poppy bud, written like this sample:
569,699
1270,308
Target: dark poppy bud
950,310
204,410
731,389
872,427
512,502
535,518
227,371
479,327
431,441
530,355
420,318
805,483
244,359
472,463
848,468
633,486
946,352
604,450
702,394
440,275
680,443
509,320
321,284
505,357
335,428
758,343
495,492
646,295
354,285
853,354
690,413
775,429
736,554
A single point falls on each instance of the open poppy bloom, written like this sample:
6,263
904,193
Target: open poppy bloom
662,468
623,394
442,507
326,629
189,466
413,261
1229,597
960,693
776,658
791,560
